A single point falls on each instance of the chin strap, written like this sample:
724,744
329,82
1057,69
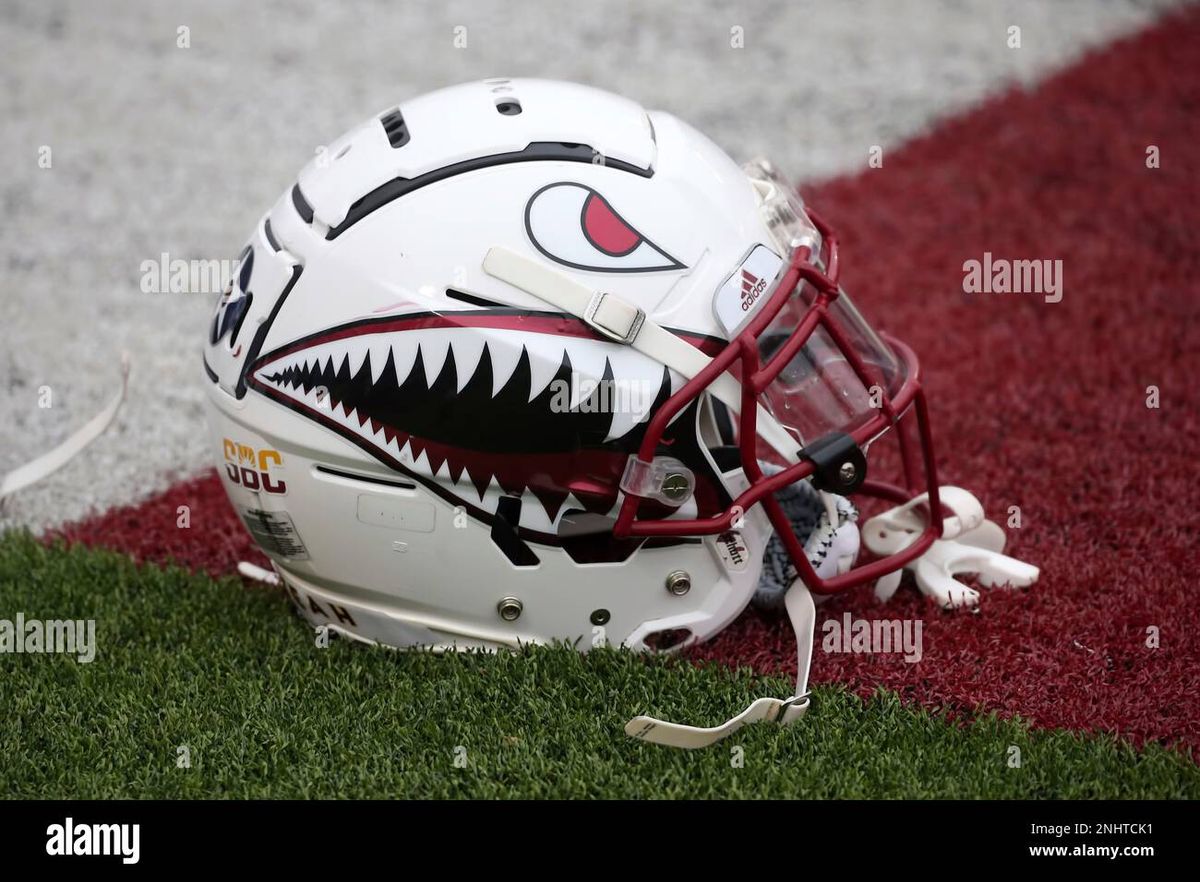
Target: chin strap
258,574
622,322
803,613
51,461
970,543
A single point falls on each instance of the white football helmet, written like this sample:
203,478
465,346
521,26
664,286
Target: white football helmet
519,360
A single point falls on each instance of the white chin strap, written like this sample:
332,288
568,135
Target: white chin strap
51,461
624,323
803,614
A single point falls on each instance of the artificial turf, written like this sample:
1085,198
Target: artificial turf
236,678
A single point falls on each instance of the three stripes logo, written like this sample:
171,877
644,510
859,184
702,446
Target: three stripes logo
752,288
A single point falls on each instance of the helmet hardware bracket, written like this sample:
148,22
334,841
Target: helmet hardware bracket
840,466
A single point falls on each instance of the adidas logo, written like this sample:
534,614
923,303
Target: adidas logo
752,288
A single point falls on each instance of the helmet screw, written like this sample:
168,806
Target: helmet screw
679,583
600,617
509,609
676,486
847,473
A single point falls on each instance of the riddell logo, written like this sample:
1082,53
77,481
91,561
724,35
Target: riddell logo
752,288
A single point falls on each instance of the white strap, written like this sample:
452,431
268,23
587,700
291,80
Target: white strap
624,323
257,573
55,459
803,613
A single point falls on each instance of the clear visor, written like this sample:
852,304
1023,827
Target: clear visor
818,391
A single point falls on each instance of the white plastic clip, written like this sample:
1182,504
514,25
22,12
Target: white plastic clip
664,479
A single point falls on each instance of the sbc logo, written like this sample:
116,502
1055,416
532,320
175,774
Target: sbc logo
251,468
752,287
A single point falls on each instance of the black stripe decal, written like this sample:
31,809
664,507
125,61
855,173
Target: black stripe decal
537,151
366,479
471,298
261,334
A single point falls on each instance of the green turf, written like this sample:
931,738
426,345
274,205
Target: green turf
237,677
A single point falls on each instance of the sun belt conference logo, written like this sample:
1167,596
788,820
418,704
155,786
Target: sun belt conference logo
251,468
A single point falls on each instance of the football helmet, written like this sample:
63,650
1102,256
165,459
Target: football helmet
520,361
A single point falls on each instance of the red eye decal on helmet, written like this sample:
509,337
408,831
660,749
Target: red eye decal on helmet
574,225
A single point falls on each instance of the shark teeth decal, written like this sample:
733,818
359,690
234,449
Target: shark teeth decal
482,411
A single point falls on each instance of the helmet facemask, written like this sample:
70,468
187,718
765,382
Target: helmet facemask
818,387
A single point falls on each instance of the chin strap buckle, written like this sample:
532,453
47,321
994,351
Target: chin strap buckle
613,318
802,612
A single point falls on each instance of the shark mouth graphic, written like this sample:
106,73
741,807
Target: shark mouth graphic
480,405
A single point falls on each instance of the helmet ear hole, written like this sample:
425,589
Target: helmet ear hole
668,639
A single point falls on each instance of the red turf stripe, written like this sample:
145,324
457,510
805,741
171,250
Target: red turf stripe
1033,404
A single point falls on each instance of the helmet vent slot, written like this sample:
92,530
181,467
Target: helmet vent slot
394,128
365,479
508,106
302,207
471,298
671,638
270,235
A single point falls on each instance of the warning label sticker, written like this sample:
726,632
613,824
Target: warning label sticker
275,533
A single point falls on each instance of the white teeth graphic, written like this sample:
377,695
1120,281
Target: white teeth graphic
433,353
631,399
589,360
404,355
468,349
545,358
505,355
587,370
422,462
357,355
379,349
637,379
